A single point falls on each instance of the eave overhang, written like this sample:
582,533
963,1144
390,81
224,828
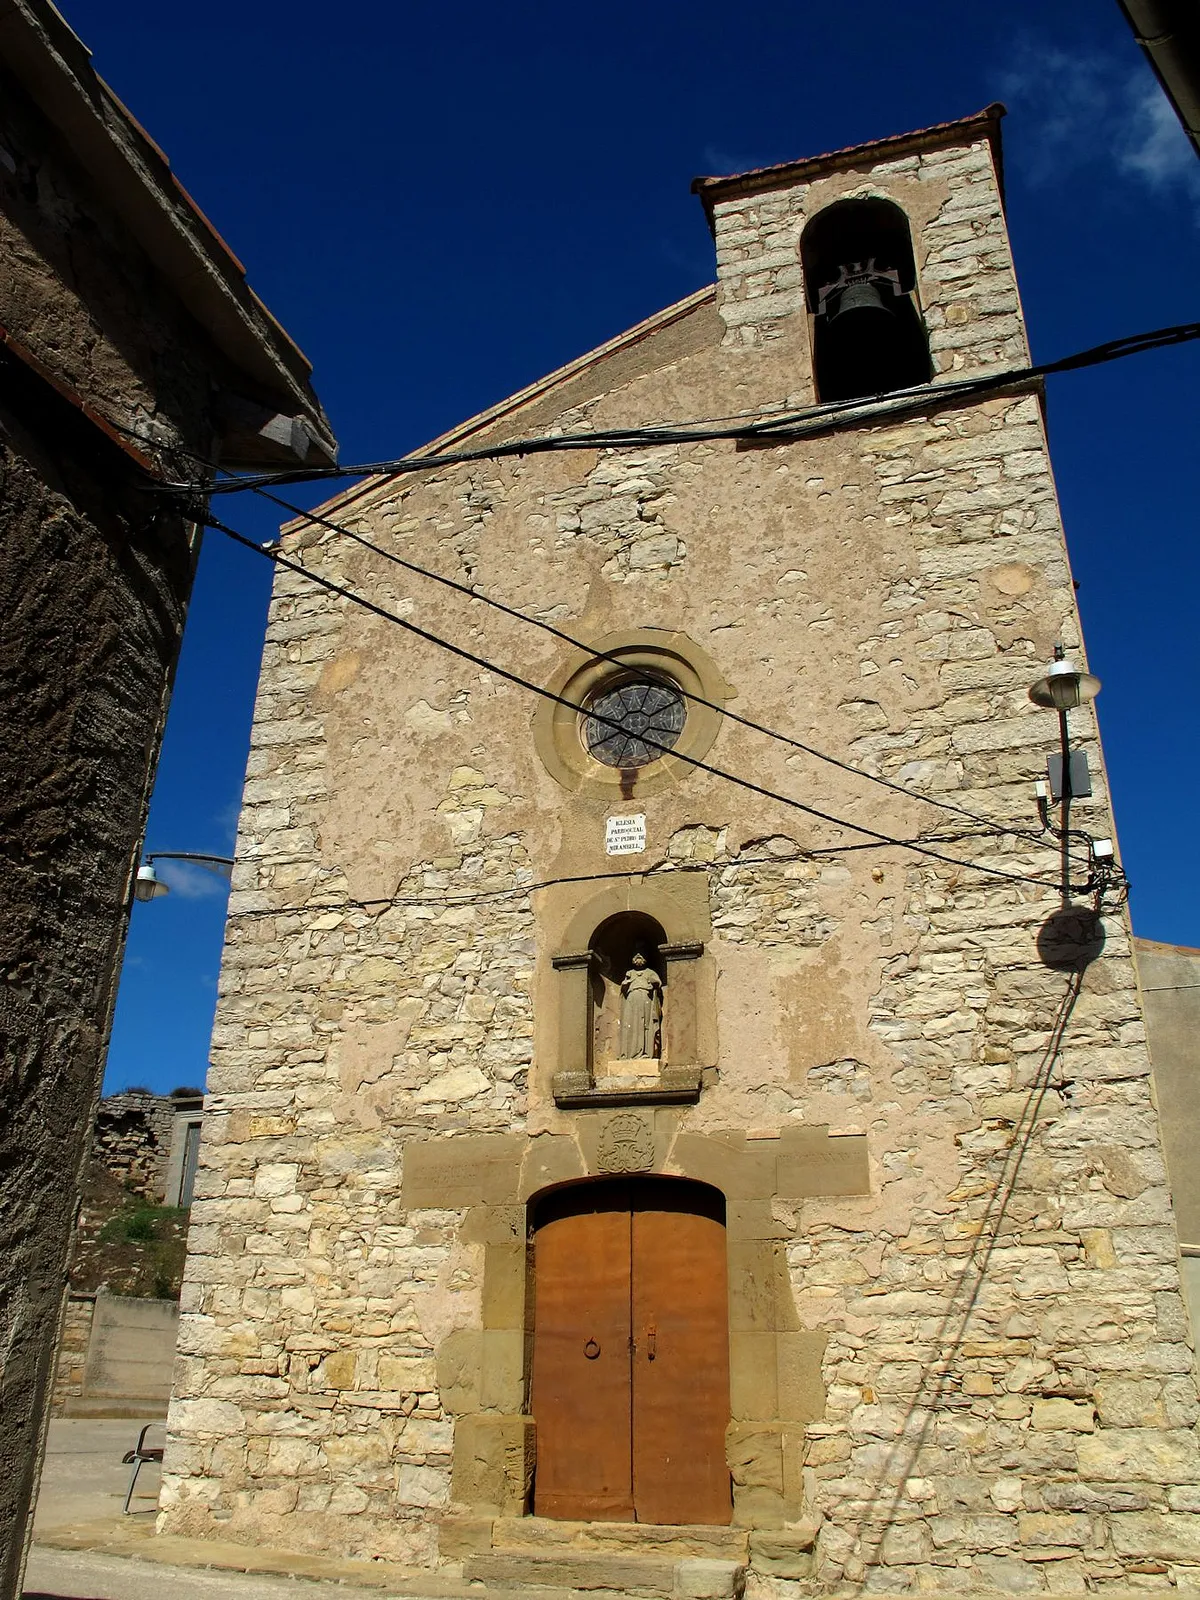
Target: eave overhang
984,124
133,178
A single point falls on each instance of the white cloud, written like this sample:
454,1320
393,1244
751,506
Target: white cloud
192,881
720,162
1079,110
1158,149
226,819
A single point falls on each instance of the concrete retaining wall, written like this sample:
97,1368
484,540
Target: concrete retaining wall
117,1357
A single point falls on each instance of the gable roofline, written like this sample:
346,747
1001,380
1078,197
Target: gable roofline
133,177
759,179
483,420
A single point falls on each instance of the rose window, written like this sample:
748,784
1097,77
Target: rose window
634,723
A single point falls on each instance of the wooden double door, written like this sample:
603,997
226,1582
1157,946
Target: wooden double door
631,1353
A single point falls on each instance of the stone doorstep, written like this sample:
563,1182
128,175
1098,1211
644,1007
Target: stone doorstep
648,1577
547,1535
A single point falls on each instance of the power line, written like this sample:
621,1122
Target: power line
548,694
512,891
780,427
604,655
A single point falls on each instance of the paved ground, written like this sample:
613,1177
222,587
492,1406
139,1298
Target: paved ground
85,1549
84,1575
83,1478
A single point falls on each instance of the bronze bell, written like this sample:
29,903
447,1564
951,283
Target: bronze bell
867,338
863,296
860,286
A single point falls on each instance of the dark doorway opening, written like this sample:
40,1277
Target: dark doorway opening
861,280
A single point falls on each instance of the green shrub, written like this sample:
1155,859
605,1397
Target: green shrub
138,1225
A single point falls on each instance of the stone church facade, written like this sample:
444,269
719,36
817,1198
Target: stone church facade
610,1167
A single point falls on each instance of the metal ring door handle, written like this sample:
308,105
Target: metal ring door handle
591,1350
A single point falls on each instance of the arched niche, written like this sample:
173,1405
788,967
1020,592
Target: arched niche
860,279
615,944
604,935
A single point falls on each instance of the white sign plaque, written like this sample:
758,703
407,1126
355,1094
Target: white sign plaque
625,836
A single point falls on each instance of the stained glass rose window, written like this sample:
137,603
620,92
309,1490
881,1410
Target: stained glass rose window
632,724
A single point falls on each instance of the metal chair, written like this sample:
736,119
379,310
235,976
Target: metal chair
137,1456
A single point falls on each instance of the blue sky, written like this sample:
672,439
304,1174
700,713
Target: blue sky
442,205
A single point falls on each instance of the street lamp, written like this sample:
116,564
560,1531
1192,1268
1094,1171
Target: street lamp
1063,688
147,885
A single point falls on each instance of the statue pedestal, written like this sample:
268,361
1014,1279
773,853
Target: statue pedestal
646,1081
641,1068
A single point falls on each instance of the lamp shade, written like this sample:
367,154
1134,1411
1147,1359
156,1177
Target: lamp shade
1064,687
148,885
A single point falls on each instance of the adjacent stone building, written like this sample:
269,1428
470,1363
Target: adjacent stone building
1169,978
132,350
619,1154
136,1138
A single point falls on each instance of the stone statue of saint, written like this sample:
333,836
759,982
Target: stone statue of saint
641,1012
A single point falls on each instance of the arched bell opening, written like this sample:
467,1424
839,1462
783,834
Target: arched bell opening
630,1371
628,978
861,282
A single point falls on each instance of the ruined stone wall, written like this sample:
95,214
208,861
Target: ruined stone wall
131,1138
958,1352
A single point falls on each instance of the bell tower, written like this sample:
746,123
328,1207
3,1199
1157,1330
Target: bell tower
895,252
861,281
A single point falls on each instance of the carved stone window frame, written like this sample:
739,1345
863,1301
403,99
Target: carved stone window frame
658,653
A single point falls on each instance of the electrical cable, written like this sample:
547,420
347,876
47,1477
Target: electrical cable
456,900
804,423
548,694
603,655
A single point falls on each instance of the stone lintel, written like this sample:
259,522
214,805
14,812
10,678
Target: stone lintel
813,1162
463,1170
802,1163
572,958
674,1086
682,949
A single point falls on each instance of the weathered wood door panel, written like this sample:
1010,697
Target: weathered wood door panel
582,1384
680,1358
631,1353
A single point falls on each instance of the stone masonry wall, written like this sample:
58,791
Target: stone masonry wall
968,292
94,579
1003,1393
72,1351
131,1138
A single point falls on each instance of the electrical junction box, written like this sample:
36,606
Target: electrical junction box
1081,778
